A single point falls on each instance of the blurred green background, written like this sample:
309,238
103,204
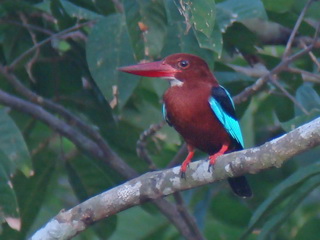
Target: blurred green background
68,52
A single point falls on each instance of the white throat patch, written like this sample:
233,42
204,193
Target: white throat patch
175,82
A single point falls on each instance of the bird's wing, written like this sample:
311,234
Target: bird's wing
222,105
164,114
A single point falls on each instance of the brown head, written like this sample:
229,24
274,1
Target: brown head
178,68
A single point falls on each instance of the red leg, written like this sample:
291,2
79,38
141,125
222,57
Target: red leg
186,162
214,157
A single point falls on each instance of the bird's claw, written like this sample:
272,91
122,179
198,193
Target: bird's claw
182,175
210,166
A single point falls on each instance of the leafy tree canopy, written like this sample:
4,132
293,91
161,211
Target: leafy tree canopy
70,123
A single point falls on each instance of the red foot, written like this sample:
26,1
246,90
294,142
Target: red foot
186,162
214,157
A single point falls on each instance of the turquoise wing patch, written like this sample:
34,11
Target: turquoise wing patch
164,112
222,105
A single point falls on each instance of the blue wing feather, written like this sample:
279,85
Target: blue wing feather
164,114
229,122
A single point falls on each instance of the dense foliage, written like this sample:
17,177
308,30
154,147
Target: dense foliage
61,57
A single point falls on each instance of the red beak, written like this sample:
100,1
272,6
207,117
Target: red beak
153,69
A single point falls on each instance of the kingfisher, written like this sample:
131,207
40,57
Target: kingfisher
198,108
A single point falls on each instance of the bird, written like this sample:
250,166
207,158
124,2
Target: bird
198,108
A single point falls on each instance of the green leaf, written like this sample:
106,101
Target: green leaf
133,18
9,210
312,11
43,6
203,13
308,98
58,12
31,192
239,38
108,47
13,146
104,7
283,106
230,11
181,40
199,13
276,221
232,77
11,44
201,16
214,42
300,120
280,6
309,229
280,193
238,214
220,230
138,229
88,178
92,108
79,12
10,7
246,123
146,21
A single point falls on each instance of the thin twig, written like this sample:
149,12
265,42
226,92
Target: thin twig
262,70
80,140
31,62
26,25
312,56
307,76
142,143
257,70
70,155
295,29
276,83
33,97
99,150
171,212
186,215
43,144
143,153
39,44
249,91
118,6
146,187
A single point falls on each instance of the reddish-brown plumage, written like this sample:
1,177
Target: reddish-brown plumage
188,109
187,103
189,112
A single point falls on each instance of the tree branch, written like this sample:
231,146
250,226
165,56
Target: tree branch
288,95
154,185
306,76
249,91
81,141
100,150
142,144
50,105
38,45
181,208
295,29
97,148
259,70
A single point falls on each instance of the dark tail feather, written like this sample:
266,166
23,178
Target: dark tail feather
240,186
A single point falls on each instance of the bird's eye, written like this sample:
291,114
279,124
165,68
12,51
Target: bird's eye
183,64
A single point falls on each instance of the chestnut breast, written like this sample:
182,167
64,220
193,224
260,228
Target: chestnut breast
189,111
